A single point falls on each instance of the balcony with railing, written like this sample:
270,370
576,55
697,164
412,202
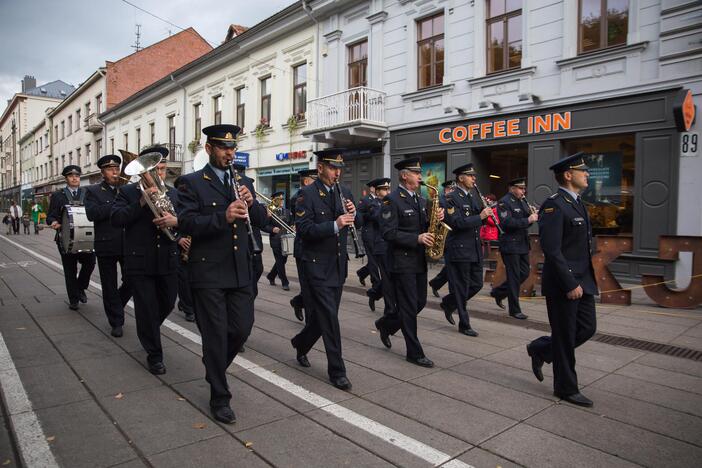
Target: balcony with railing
356,115
92,124
175,153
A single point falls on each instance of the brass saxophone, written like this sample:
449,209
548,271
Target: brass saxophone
438,228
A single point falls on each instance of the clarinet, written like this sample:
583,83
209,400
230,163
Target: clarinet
492,213
233,175
357,245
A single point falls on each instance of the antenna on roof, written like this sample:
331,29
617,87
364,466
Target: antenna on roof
137,43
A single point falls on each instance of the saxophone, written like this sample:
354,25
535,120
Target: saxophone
438,228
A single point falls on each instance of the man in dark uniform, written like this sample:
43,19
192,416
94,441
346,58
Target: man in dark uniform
276,230
404,222
220,265
441,278
72,194
150,258
307,177
367,236
515,219
109,242
322,227
185,296
568,279
382,188
463,253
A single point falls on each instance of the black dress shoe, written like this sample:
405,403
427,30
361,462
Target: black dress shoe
371,304
242,349
223,414
498,300
341,383
180,306
190,317
73,306
447,313
117,331
577,399
384,337
536,364
422,361
286,287
434,290
157,368
362,280
82,297
519,316
303,361
271,281
468,331
298,311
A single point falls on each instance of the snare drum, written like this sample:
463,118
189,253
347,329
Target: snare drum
287,243
77,232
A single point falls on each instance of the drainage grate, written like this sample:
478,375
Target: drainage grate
633,343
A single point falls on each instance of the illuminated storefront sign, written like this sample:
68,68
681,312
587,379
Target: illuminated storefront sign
505,128
291,155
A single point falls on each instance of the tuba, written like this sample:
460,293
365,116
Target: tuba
145,167
127,157
438,228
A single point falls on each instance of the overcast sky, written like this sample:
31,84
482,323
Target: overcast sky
69,39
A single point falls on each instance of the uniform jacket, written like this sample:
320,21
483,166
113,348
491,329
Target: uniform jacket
463,217
566,240
367,234
401,222
147,250
324,254
220,255
379,244
56,205
99,199
513,215
274,239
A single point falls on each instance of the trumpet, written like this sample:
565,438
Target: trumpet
272,209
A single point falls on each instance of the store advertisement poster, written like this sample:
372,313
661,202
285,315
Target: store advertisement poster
434,174
605,181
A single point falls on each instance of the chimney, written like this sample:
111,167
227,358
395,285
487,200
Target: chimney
28,83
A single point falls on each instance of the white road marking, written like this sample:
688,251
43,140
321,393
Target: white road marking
33,447
387,434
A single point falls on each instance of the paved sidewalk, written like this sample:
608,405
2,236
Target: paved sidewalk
97,405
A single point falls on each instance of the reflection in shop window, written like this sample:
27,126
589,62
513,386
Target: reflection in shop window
433,171
610,194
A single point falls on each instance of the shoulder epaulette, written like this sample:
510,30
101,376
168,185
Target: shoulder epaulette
552,197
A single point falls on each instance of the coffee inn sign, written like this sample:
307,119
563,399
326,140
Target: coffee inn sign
505,128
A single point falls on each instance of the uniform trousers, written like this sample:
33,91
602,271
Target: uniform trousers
154,297
77,282
440,279
572,324
371,267
225,318
322,320
386,292
279,265
256,271
410,293
298,300
185,295
114,298
465,281
517,269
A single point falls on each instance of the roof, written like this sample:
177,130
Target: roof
76,91
234,30
55,89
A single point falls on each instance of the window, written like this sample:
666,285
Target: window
98,104
217,106
112,146
300,90
63,129
77,120
70,125
56,133
63,163
78,156
87,152
358,64
98,151
152,133
41,144
504,35
430,51
610,194
125,139
240,107
138,139
70,157
602,24
87,114
171,136
266,101
198,120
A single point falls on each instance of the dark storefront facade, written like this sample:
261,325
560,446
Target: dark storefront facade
632,145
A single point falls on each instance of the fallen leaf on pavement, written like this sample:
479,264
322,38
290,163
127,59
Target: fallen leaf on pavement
199,425
51,438
248,444
180,398
6,462
21,328
119,396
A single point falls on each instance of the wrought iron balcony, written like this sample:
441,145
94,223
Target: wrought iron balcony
356,115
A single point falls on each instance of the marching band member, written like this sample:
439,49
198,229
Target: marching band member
463,254
322,223
109,242
151,260
367,236
72,194
568,279
219,264
441,277
515,218
382,188
403,224
307,177
185,296
276,231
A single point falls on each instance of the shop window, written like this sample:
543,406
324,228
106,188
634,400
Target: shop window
498,165
504,35
610,194
602,24
430,51
433,171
